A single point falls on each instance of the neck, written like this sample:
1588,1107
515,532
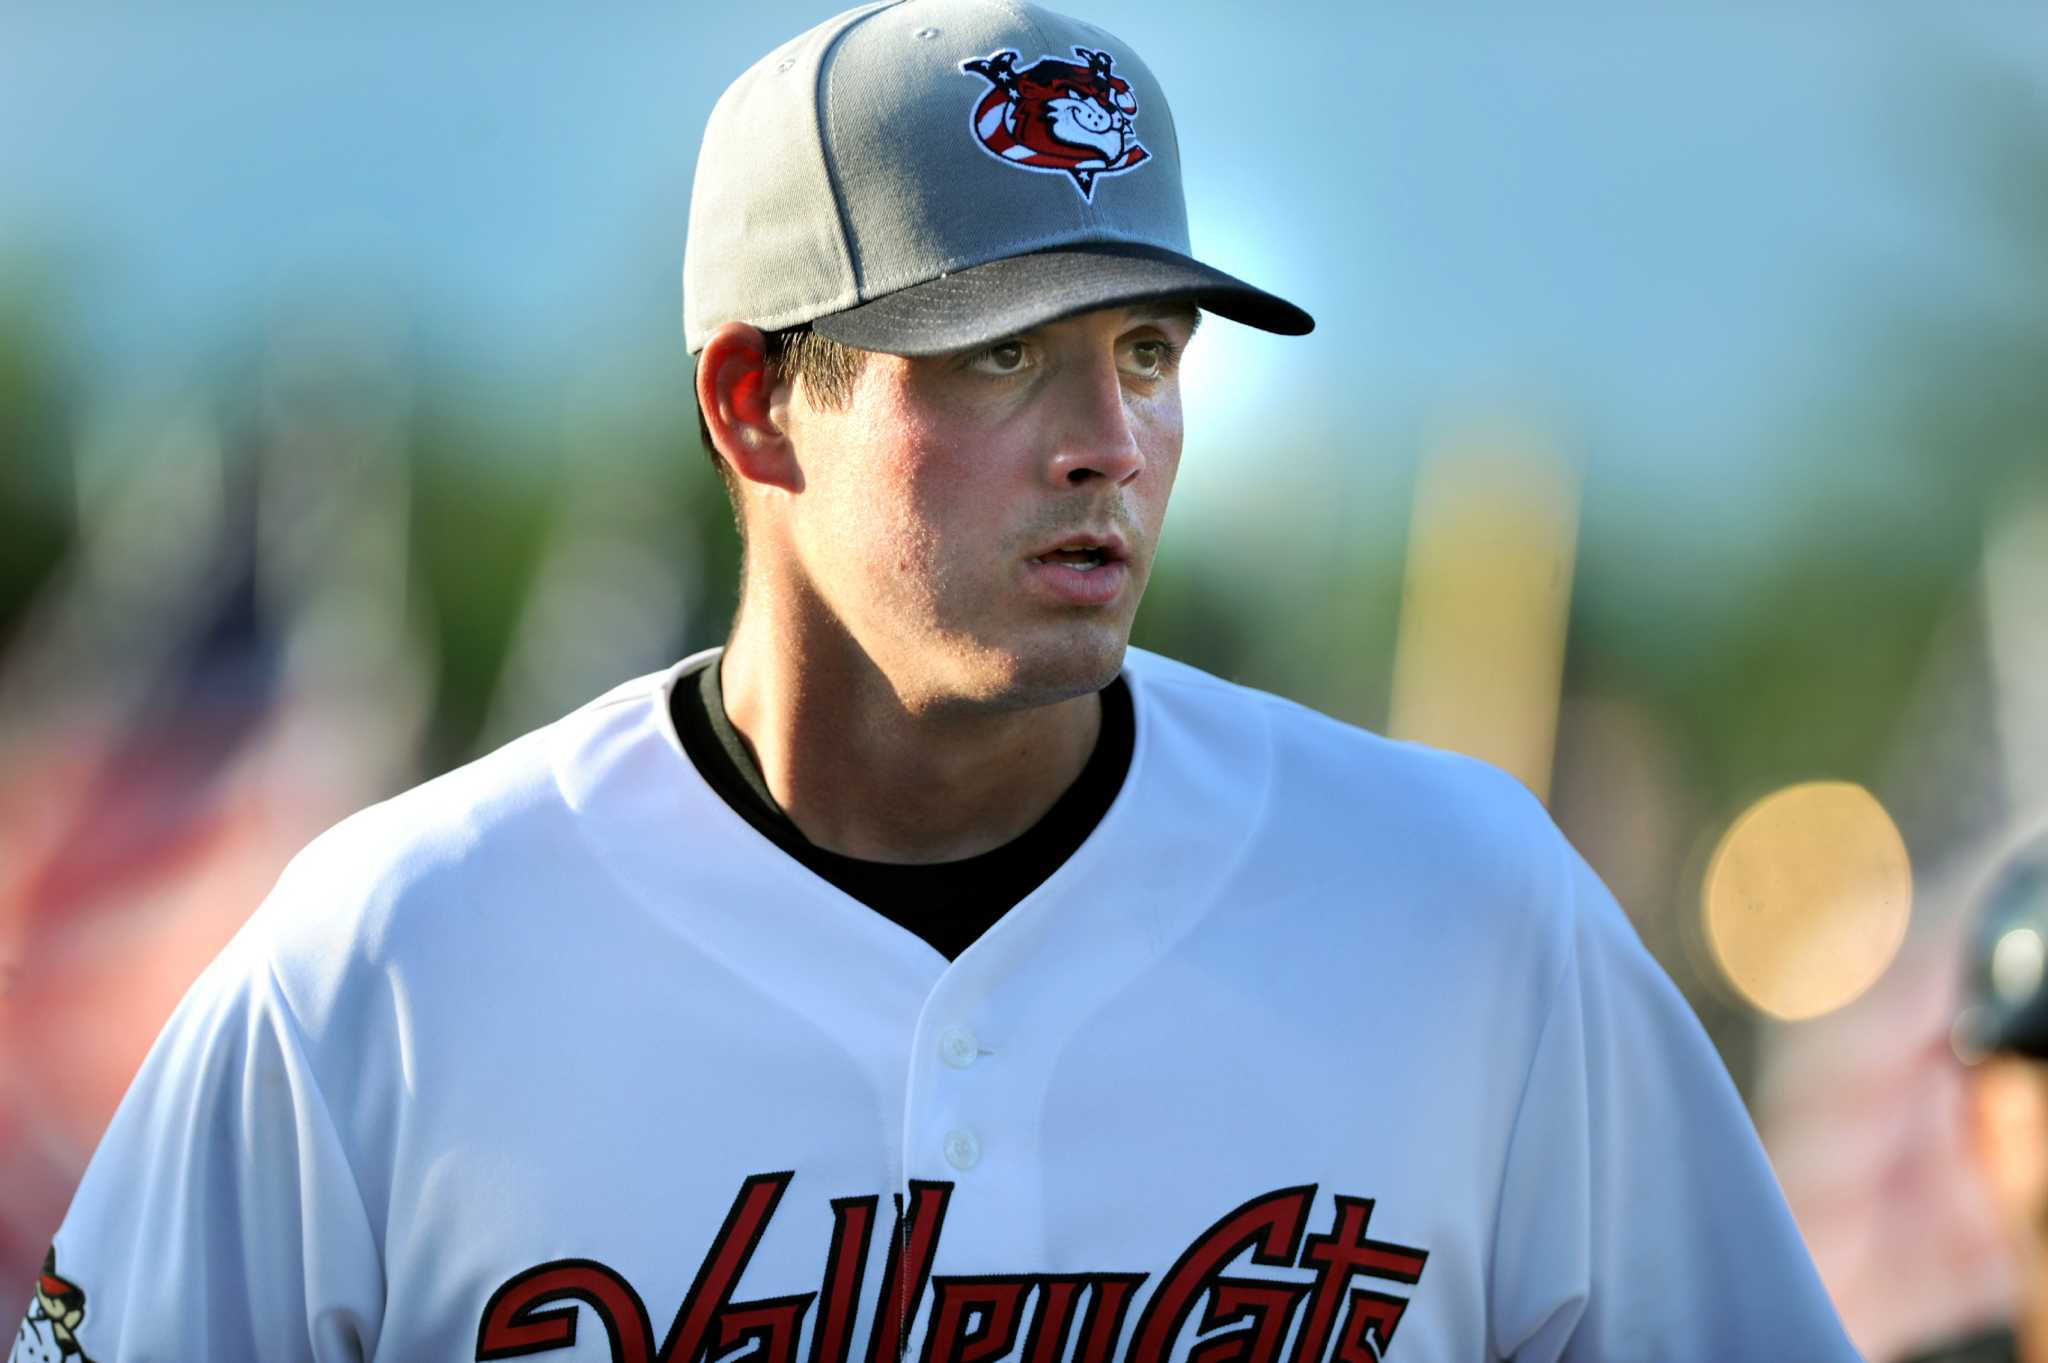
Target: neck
866,771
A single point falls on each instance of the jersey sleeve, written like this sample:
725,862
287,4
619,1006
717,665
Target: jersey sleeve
1639,1217
219,1217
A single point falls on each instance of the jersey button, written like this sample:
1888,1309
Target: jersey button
963,1149
957,1047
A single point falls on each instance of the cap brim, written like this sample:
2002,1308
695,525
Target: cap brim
988,302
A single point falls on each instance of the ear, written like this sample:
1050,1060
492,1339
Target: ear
742,411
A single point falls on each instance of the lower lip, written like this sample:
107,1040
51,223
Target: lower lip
1097,586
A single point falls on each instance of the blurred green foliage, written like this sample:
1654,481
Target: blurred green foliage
1797,657
477,531
35,422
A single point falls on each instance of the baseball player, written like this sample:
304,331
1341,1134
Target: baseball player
926,974
2003,1034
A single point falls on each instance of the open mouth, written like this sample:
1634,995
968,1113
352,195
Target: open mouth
1081,559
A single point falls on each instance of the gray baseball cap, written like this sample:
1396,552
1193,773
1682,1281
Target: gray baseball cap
918,176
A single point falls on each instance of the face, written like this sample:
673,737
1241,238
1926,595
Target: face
982,524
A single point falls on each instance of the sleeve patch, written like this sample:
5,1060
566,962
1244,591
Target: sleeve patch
49,1333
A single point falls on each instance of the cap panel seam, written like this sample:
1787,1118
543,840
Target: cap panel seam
814,163
1027,19
820,105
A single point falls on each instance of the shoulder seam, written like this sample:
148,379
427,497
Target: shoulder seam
289,1014
1554,989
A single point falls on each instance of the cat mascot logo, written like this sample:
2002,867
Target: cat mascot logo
50,1333
1058,116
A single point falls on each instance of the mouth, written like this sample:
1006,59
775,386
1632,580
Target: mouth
1087,569
1084,553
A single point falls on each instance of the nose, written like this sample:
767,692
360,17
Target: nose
1096,436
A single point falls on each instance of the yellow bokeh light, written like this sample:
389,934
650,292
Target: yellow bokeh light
1807,898
1479,661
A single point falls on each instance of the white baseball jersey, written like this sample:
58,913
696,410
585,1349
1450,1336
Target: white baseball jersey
1321,1049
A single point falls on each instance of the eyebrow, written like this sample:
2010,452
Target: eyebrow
1169,309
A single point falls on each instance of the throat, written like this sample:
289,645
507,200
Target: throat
915,791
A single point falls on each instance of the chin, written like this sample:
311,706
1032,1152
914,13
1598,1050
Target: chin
1058,670
1014,674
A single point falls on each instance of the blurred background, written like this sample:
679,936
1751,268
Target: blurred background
1675,434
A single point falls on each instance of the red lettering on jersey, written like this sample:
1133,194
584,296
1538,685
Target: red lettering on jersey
1263,1309
689,1335
513,1325
775,1324
1109,1301
974,1319
910,1264
846,1263
1270,1226
1054,1317
1336,1257
1107,1307
1369,1313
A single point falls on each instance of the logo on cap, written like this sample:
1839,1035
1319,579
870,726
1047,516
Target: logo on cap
1060,116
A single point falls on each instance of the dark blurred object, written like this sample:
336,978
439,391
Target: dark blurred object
2001,1036
2006,983
1996,1345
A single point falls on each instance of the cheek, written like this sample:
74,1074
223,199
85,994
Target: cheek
951,488
855,474
887,500
1160,438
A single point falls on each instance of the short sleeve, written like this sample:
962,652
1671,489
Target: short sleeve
219,1217
1639,1217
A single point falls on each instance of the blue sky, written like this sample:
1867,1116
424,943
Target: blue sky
1664,230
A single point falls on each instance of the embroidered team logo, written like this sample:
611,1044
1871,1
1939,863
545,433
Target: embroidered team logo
50,1332
1070,118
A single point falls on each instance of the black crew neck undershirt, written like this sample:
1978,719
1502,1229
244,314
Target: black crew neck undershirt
948,903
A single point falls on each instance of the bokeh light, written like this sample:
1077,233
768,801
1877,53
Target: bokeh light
1480,657
1807,898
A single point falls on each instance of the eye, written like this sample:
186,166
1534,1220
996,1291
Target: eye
1153,357
1004,357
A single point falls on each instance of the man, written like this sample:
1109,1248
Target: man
2002,1036
925,972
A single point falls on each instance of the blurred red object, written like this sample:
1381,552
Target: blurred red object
126,868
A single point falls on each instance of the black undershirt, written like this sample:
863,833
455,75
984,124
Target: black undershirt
948,903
